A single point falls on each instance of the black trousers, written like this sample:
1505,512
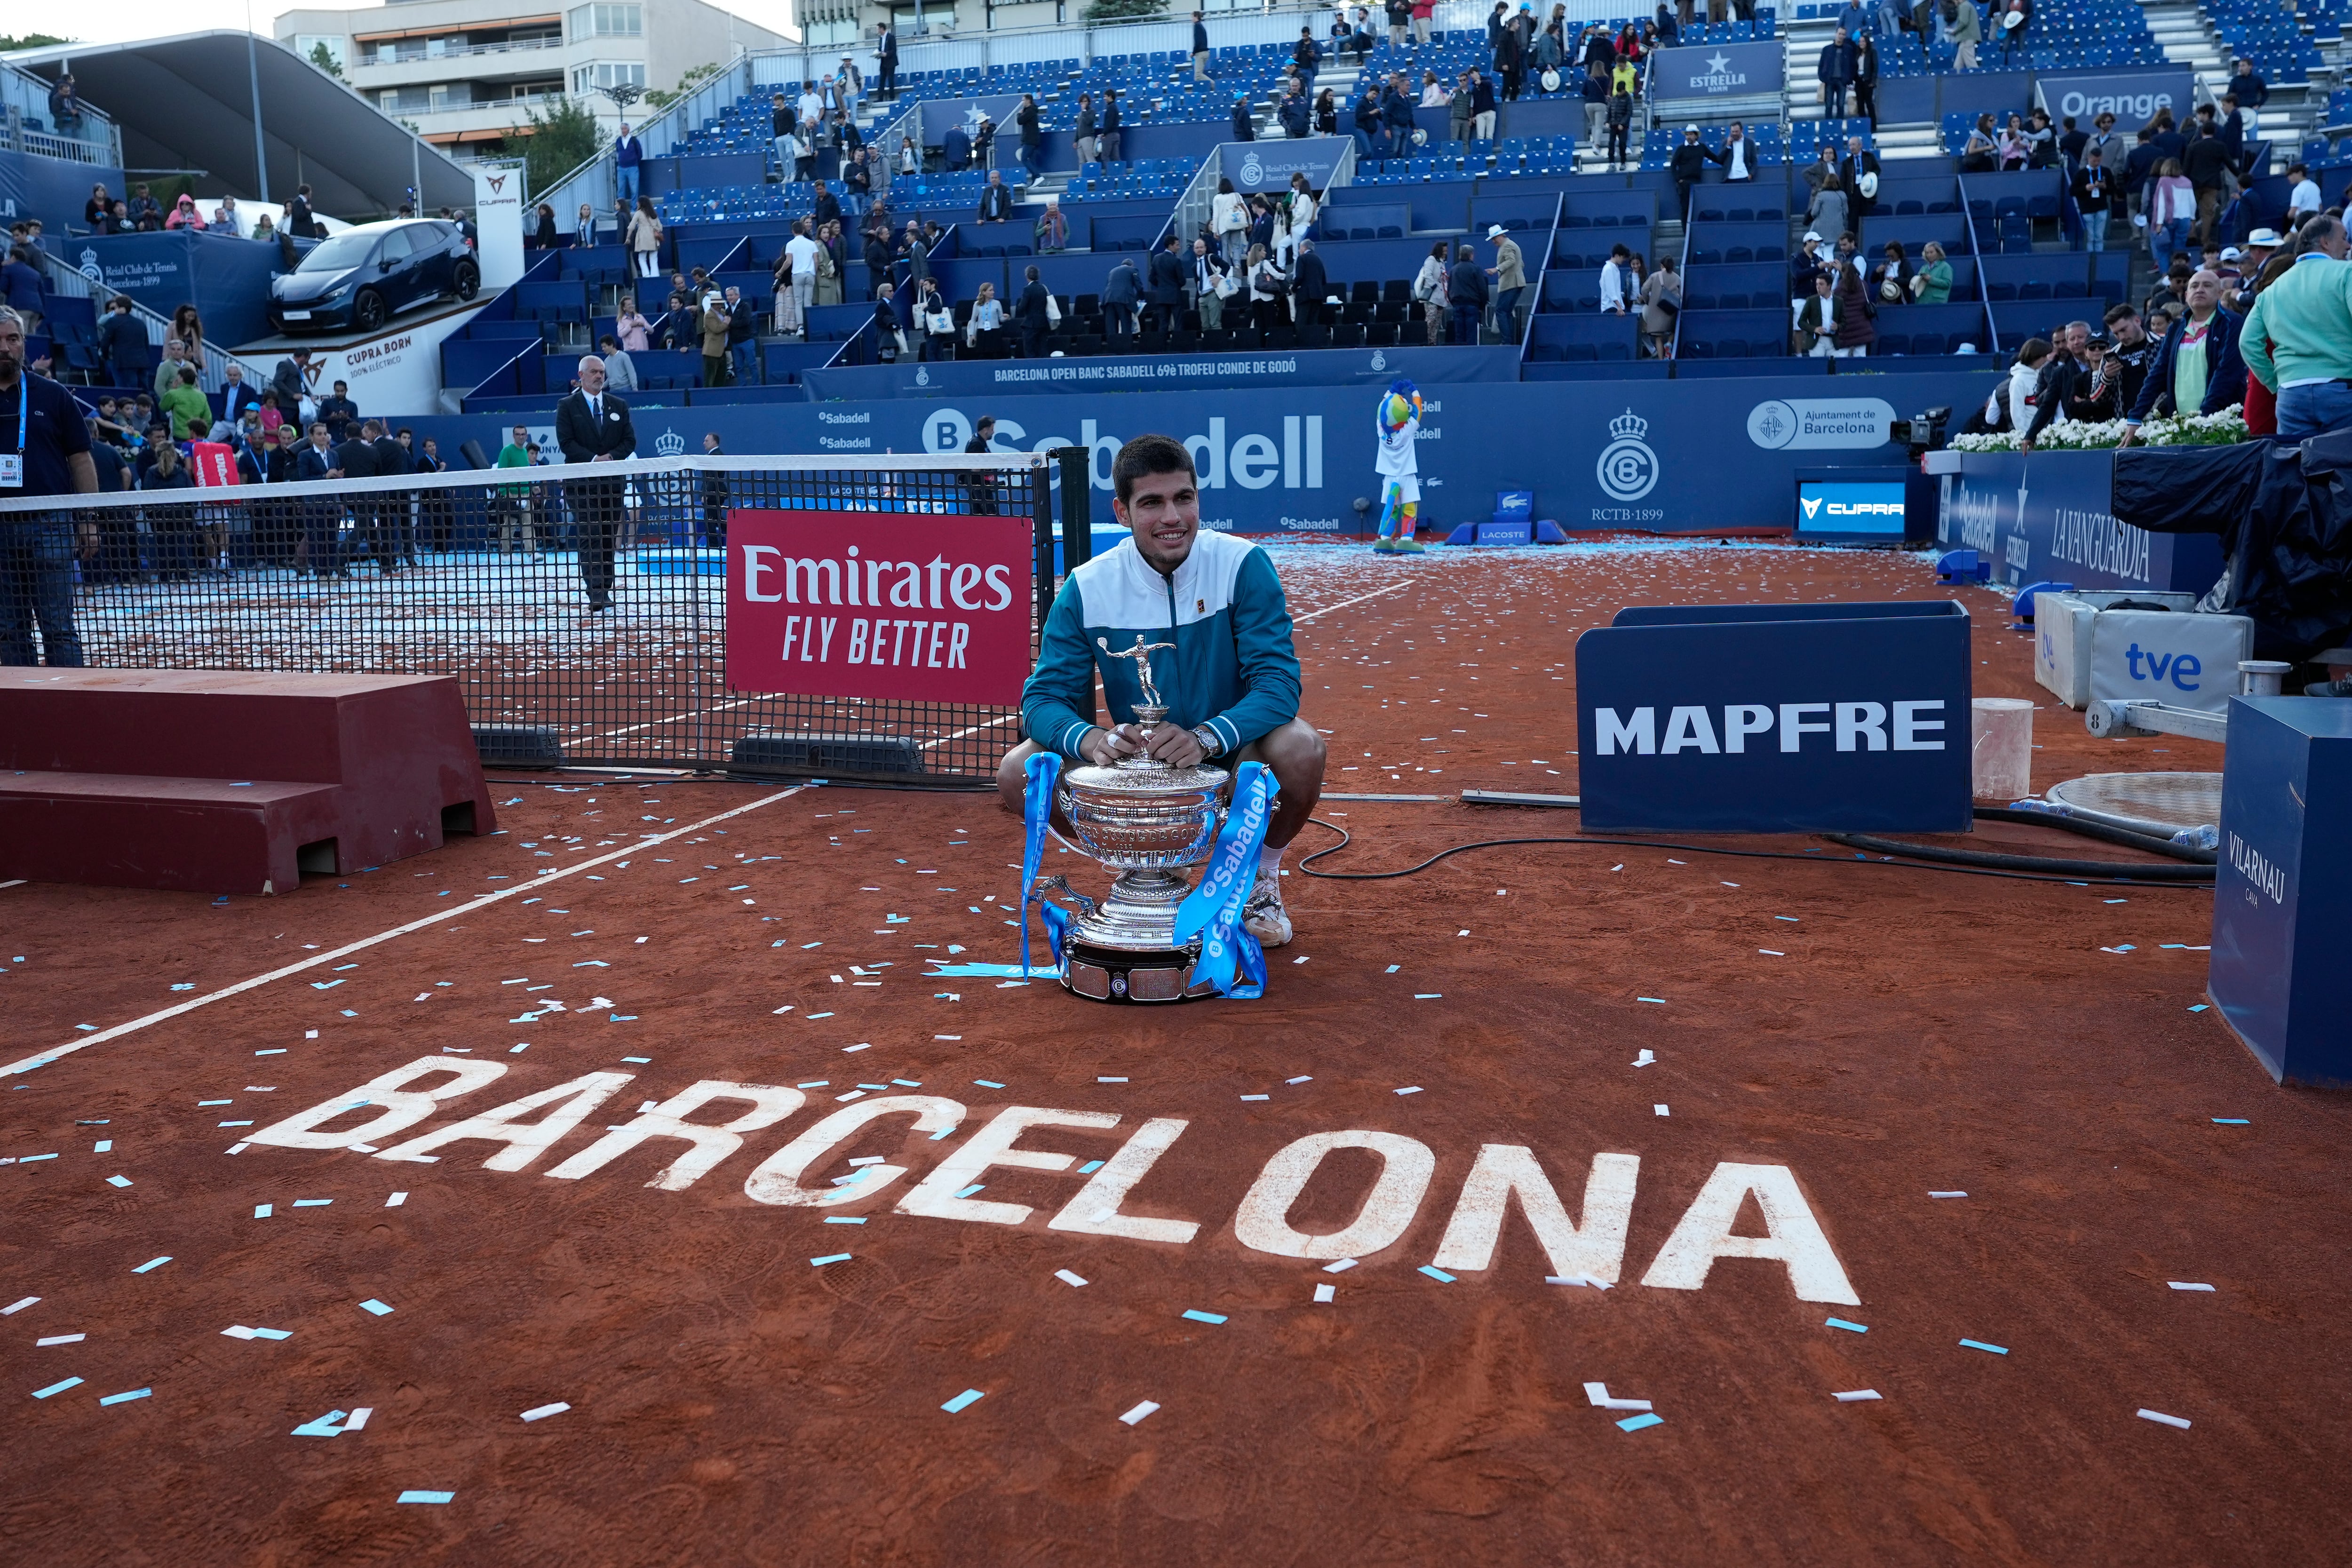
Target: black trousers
595,520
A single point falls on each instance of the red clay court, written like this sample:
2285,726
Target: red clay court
629,1347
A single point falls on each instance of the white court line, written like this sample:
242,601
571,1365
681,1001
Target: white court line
1392,588
18,883
689,713
973,730
40,1058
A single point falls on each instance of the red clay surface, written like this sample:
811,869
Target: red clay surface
1912,1031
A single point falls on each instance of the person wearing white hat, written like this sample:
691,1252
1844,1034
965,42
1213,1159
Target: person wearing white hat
1690,162
1510,275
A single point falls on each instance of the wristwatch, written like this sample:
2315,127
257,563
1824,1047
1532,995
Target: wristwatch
1211,745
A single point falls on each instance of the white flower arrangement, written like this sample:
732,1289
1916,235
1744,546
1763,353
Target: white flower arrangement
2224,428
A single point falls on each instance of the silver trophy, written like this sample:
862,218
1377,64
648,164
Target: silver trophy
1147,822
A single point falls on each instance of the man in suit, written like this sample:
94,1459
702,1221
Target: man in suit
1120,291
1858,161
592,426
359,459
1029,315
886,54
1308,284
996,199
394,457
1168,286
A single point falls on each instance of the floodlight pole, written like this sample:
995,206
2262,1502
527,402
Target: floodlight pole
253,75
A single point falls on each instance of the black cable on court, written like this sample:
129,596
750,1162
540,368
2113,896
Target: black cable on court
1978,864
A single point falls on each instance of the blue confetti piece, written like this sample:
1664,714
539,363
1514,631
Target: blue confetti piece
641,1061
273,1334
117,1181
1202,1317
1980,1345
1635,1422
829,1257
964,1401
2199,1008
1436,1273
126,1396
1090,1167
844,1219
969,1190
414,1494
152,1263
262,1211
1659,1000
985,1083
2231,1122
378,1308
56,1388
312,1202
1852,1328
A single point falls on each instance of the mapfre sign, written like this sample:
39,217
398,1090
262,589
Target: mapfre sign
916,607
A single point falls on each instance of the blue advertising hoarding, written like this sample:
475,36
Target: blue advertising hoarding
2133,97
1268,165
165,271
2045,518
1692,455
1163,372
1776,718
1843,509
1690,77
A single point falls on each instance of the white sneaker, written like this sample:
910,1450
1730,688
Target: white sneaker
1263,917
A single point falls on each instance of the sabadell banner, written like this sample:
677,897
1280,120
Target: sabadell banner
1683,455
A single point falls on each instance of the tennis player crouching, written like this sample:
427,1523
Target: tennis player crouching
1231,682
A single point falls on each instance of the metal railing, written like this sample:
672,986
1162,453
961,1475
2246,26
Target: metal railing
422,56
487,574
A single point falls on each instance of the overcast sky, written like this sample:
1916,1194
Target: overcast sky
122,21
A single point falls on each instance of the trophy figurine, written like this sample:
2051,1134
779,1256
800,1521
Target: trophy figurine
1147,822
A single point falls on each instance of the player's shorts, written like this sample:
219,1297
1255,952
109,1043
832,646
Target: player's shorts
1407,488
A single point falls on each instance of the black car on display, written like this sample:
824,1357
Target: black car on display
366,274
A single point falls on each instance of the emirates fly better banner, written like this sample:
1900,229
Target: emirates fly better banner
922,609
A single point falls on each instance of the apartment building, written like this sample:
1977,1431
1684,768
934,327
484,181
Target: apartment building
466,71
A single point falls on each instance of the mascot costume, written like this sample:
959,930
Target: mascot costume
1397,421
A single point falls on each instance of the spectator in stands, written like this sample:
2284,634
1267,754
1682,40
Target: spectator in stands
65,106
290,379
1211,282
2010,19
1835,69
340,411
1828,210
2166,137
1617,287
1857,327
2014,149
2094,197
832,252
1428,290
879,261
635,331
1959,20
1620,127
119,221
2172,203
645,239
50,442
2210,168
620,370
715,320
1815,328
1594,91
2114,154
1807,264
783,126
2041,142
2303,195
1435,93
184,401
628,155
1031,148
167,371
189,328
983,332
1122,291
885,59
22,288
1689,166
1482,106
1981,154
2061,377
1396,116
237,396
1364,120
1307,57
1889,282
825,209
2200,368
1296,114
1467,292
857,174
1310,286
2297,340
995,198
1858,177
1510,275
100,206
1865,77
1932,284
1420,12
934,319
145,213
185,215
1033,314
1082,133
1167,284
1110,126
2250,89
1662,302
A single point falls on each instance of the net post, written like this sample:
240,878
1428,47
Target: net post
1077,505
1041,507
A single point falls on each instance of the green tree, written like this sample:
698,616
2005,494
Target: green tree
560,140
325,62
657,99
1120,10
28,41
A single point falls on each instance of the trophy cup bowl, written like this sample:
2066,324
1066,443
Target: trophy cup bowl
1149,822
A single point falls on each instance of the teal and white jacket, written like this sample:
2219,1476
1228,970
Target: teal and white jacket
1232,668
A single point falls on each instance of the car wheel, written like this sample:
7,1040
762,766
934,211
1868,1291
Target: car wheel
470,281
367,311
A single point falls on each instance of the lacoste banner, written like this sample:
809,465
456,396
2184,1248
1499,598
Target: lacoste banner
879,604
1716,71
1776,718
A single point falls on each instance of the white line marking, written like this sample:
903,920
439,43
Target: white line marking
23,1064
1392,588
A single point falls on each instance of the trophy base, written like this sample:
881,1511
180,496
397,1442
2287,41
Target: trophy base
1126,974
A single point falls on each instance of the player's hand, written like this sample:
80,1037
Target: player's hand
1177,748
1104,747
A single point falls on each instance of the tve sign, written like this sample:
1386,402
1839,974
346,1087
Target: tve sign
1776,718
879,604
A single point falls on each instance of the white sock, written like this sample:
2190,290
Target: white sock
1270,862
